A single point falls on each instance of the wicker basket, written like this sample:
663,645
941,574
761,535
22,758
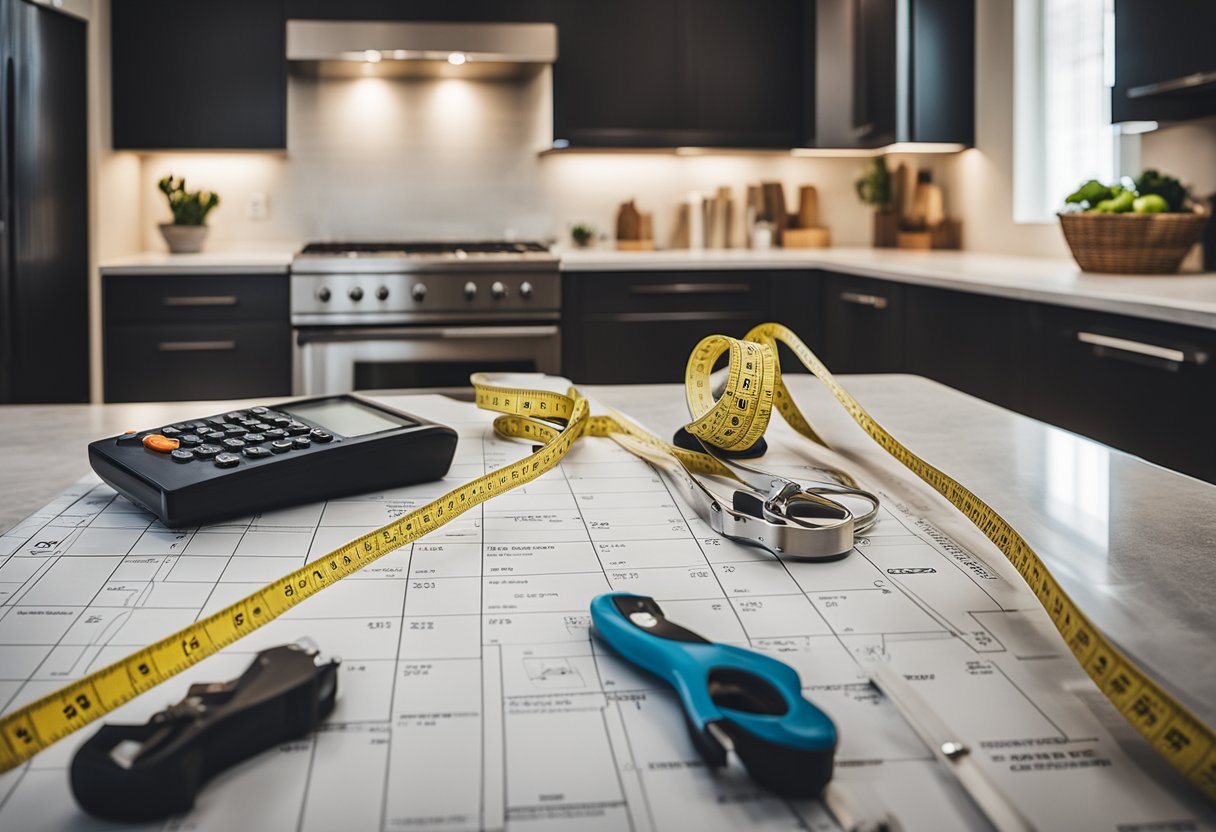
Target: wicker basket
1131,243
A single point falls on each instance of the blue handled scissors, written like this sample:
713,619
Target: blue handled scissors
733,699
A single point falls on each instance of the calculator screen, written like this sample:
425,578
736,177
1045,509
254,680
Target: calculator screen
346,417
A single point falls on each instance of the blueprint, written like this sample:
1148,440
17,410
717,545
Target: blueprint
472,694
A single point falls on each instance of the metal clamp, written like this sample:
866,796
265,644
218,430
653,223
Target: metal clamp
788,518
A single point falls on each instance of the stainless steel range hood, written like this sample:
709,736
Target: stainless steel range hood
466,50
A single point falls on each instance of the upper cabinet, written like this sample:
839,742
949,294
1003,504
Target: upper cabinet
454,11
893,71
769,74
1165,65
191,75
669,73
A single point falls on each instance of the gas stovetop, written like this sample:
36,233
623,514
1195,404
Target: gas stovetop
383,283
423,249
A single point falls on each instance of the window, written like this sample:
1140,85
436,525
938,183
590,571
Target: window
1063,73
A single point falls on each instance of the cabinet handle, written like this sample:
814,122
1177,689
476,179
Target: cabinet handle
1186,83
201,300
1140,348
691,289
873,301
195,346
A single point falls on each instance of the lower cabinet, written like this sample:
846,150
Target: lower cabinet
176,338
974,343
1145,387
862,324
639,327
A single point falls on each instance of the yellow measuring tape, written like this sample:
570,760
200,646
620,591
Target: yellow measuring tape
733,421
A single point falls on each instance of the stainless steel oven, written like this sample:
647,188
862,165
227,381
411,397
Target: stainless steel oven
341,359
402,315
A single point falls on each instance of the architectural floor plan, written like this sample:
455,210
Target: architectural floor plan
472,694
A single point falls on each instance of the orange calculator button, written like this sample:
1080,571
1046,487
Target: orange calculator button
164,444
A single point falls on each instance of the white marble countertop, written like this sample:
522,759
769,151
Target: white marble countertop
1183,298
1130,541
157,263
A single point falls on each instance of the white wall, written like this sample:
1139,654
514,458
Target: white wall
374,158
981,179
1187,151
114,214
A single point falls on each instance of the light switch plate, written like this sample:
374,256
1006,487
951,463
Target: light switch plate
259,205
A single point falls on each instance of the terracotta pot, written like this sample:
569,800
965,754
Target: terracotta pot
183,239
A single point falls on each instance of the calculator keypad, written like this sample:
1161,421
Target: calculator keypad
256,434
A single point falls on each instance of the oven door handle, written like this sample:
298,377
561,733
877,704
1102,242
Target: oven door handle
321,335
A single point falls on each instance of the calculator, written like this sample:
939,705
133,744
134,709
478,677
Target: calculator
245,461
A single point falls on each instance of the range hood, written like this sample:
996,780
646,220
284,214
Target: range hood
465,50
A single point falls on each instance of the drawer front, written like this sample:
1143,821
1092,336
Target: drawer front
974,343
659,292
862,325
1142,386
189,362
637,349
195,298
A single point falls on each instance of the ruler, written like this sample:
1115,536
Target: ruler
553,422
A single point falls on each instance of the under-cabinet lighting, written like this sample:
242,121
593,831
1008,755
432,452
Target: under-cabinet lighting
924,147
836,152
457,58
372,56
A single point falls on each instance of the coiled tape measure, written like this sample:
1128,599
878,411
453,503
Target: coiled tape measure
734,421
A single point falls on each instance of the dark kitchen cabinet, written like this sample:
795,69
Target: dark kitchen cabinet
669,73
974,343
181,338
639,327
1145,387
1165,66
746,79
190,75
617,82
883,76
459,11
863,325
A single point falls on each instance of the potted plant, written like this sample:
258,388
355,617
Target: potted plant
582,234
185,235
874,189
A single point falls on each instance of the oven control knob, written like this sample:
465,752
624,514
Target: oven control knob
356,293
382,293
498,290
470,290
418,292
323,294
525,290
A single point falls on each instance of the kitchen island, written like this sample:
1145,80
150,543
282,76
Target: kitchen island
1131,541
1128,540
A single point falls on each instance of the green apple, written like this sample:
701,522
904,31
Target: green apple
1150,204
